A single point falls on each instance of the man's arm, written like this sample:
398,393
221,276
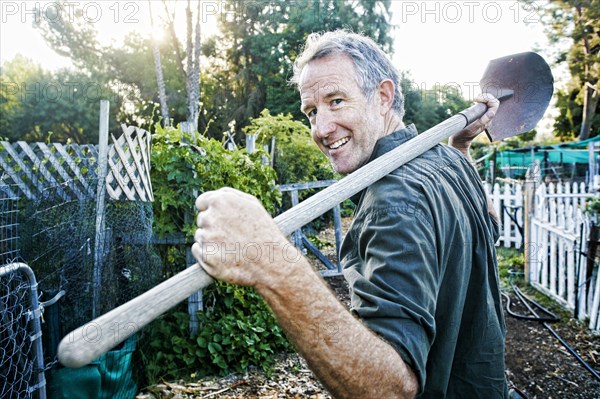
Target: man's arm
463,139
349,359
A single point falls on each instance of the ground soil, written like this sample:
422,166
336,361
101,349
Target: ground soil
536,362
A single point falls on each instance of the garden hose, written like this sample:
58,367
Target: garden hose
527,301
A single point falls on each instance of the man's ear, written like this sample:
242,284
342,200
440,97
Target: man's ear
386,91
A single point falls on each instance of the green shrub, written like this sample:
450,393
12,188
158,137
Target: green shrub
236,330
184,167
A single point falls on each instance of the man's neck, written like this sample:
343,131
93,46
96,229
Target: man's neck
393,123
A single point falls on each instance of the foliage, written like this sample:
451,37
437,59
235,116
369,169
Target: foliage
427,108
511,262
36,104
237,330
128,68
592,205
245,69
184,166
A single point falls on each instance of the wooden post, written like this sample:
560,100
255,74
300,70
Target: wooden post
297,235
532,177
195,304
337,223
273,151
250,143
100,210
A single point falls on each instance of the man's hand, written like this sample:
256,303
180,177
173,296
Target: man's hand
463,139
237,240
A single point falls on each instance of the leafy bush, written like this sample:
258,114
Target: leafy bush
237,328
592,205
184,167
236,331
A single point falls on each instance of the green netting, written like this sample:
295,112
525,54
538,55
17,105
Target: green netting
58,240
524,159
566,153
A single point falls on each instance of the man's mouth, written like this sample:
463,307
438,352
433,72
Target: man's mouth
339,143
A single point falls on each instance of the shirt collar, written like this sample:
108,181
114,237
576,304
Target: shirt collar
386,144
393,140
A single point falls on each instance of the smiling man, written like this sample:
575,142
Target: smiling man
426,318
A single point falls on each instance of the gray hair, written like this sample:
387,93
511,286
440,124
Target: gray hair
371,63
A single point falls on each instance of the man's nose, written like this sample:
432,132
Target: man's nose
324,124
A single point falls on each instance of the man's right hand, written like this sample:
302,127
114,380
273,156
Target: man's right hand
237,241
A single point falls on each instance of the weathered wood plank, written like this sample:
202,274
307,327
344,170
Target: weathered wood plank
124,159
142,173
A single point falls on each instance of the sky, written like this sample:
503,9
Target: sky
438,42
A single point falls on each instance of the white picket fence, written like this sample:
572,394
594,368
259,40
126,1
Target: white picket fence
558,243
558,250
508,201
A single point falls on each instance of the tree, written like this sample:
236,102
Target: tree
160,80
129,68
35,103
427,108
579,21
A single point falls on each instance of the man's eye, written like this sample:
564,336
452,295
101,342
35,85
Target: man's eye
311,113
337,101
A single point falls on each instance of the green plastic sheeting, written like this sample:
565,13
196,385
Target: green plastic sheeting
567,153
108,377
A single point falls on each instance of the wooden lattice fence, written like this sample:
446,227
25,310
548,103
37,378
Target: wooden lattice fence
129,165
28,170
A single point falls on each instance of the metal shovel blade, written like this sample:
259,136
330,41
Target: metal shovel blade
529,77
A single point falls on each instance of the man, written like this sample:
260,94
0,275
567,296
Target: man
419,257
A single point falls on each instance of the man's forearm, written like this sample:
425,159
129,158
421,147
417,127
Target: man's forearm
350,360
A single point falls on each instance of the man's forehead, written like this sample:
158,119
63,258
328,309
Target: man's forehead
323,88
327,73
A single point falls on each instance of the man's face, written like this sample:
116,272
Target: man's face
344,123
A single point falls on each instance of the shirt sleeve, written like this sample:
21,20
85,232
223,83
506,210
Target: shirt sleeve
396,280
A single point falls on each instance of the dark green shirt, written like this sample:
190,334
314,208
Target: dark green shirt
421,264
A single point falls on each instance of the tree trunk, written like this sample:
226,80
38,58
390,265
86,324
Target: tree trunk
193,67
590,93
160,81
590,102
171,25
196,74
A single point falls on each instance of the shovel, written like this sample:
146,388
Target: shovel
522,82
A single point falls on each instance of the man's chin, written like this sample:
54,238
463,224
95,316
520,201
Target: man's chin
343,169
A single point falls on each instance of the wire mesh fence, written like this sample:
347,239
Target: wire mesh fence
56,237
21,354
9,222
19,367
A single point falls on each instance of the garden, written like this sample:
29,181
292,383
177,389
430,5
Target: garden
97,202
